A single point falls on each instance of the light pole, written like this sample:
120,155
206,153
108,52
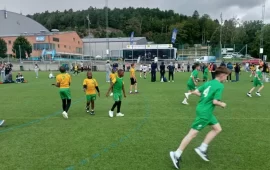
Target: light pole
89,34
221,21
208,47
20,54
107,33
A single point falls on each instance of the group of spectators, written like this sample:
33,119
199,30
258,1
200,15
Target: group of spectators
6,72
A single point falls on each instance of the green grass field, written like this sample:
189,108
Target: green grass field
37,137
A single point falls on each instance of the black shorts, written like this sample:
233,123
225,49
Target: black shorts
132,81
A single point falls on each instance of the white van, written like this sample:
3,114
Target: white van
206,59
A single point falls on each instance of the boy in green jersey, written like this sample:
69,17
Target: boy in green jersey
205,73
118,86
192,82
210,94
257,81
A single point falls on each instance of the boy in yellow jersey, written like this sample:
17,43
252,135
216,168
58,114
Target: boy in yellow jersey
133,82
63,81
90,86
113,75
76,69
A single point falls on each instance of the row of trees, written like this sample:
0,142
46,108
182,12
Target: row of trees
157,25
21,48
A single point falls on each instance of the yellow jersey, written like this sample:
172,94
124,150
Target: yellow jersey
113,76
76,68
132,72
64,79
91,85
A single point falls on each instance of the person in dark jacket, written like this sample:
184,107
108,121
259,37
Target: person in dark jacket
162,71
188,67
237,71
230,67
171,69
153,72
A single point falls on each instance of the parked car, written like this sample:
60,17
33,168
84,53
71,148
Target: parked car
228,56
206,59
255,61
237,55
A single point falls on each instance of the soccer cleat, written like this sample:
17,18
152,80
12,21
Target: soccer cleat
187,95
258,94
202,154
110,113
120,115
111,94
92,112
176,161
185,102
65,115
249,95
87,111
2,122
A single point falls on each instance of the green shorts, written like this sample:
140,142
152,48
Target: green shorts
91,97
65,93
257,83
200,123
117,97
191,87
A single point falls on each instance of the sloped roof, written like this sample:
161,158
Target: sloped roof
120,39
16,24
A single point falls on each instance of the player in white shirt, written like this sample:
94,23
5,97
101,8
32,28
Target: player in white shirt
51,75
141,70
145,69
36,70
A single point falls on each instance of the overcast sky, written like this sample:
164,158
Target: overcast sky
243,9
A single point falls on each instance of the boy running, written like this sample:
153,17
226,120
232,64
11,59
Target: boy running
63,81
133,82
113,75
210,94
192,82
257,81
90,86
118,87
145,68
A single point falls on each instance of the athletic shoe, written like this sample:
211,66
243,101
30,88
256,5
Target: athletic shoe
92,112
2,122
187,95
258,94
111,94
110,113
120,115
176,161
202,154
185,102
249,95
65,115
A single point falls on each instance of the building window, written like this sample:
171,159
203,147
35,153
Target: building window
58,45
78,42
79,50
55,39
9,42
73,39
65,46
41,46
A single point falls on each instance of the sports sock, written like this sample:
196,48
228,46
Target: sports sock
68,104
114,105
119,106
203,147
64,104
178,153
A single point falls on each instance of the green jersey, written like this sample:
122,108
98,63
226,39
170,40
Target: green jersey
210,91
258,76
195,75
205,73
118,85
